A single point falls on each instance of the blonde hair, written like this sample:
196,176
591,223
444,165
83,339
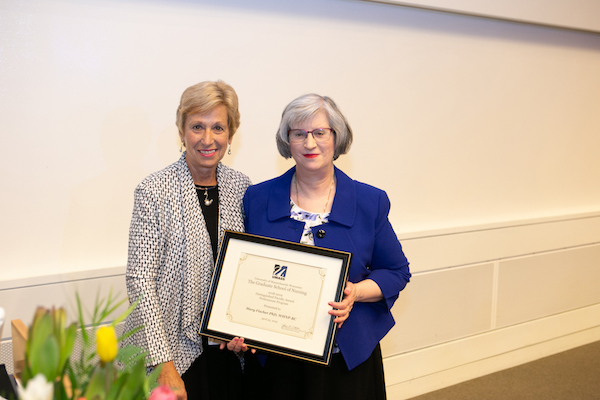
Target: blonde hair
204,97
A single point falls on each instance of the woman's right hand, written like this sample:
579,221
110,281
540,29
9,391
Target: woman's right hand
170,377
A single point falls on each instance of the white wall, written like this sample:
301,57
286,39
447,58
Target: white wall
462,120
572,14
471,125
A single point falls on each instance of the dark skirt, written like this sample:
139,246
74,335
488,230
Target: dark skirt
214,375
285,378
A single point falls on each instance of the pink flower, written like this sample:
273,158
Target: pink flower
162,392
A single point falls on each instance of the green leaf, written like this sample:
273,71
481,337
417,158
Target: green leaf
60,392
45,360
96,387
133,387
129,355
122,317
80,316
97,305
26,374
114,307
151,381
40,331
59,319
73,378
115,388
66,348
129,333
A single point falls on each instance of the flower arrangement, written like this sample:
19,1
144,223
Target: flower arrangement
102,371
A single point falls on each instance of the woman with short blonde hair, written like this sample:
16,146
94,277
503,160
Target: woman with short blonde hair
179,216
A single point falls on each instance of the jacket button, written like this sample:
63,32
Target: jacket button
320,233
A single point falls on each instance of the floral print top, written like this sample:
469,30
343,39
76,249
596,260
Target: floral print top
310,220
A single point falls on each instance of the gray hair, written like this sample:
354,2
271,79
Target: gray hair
303,109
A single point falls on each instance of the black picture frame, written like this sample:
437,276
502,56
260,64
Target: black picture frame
275,295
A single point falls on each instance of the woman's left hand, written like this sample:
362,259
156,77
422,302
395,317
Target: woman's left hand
342,309
236,345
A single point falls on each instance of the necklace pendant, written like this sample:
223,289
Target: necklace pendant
207,201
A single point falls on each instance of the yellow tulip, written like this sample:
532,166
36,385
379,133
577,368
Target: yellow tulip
106,342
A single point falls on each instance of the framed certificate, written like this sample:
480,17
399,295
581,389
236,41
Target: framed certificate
275,295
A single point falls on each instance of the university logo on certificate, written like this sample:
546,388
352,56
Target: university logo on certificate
275,294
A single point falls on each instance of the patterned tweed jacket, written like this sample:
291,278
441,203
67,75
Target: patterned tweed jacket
170,259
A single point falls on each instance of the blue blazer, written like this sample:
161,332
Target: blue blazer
358,223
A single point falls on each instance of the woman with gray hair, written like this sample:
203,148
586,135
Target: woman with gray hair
317,204
179,216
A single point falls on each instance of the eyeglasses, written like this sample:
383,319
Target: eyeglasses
300,135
